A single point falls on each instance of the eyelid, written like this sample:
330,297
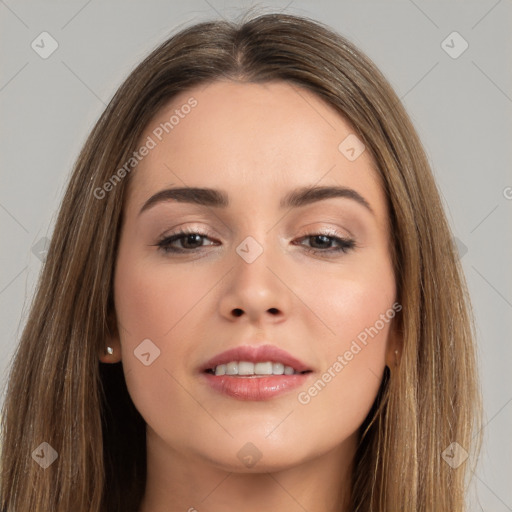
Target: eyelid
317,228
305,231
187,229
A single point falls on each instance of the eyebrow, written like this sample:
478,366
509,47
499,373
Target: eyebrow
219,199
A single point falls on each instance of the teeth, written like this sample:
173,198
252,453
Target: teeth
248,368
245,368
288,370
220,370
278,368
263,368
232,368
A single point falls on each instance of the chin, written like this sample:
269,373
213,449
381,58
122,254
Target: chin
265,462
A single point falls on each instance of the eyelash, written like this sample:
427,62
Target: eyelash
345,244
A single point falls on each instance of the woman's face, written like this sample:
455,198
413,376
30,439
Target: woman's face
312,278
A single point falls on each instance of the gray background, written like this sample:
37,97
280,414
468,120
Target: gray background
460,106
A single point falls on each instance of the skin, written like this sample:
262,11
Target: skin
256,142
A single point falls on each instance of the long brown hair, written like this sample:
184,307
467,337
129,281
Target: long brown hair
59,393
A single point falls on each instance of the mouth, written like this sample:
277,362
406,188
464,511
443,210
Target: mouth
249,369
246,360
254,373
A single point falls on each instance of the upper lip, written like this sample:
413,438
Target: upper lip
261,353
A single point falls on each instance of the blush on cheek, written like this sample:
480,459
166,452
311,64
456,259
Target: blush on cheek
350,307
149,303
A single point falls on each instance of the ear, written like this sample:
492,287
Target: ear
394,344
111,340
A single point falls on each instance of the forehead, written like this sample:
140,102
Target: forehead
262,138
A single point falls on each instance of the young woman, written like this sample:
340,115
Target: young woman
251,299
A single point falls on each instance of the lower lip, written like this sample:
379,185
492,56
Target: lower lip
255,388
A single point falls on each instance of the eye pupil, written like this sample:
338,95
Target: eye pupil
324,240
192,238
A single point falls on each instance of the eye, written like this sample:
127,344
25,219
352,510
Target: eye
321,241
189,239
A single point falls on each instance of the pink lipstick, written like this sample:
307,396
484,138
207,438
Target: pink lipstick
254,373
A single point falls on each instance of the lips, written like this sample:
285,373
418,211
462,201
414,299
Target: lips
255,387
259,354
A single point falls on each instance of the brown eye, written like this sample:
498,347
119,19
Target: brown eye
321,243
190,241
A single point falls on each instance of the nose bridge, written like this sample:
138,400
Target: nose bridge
257,231
254,288
254,254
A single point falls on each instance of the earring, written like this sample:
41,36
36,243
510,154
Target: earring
109,350
396,357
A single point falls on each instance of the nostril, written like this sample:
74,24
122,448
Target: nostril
237,312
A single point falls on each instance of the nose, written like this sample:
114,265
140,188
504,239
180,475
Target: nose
256,292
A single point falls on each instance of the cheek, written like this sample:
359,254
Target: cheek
353,299
356,310
155,304
151,301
